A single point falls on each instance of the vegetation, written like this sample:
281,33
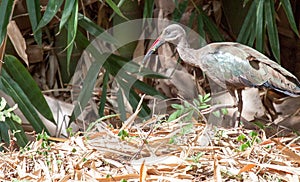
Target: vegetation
64,29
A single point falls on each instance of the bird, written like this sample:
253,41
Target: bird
231,65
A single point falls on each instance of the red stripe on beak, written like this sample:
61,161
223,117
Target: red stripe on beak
156,44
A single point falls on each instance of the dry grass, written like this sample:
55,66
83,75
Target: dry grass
147,155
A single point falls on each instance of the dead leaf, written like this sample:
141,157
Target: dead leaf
247,168
17,40
143,172
287,151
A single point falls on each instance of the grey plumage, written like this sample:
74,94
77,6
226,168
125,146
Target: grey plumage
231,65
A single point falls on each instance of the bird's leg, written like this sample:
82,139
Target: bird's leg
240,107
238,102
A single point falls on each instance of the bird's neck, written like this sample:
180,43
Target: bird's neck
185,52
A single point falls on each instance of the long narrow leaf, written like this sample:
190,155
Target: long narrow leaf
247,28
103,95
251,37
5,13
118,62
87,88
51,10
87,24
68,8
19,132
148,9
210,27
18,72
179,10
120,3
133,98
115,8
259,26
33,7
72,30
121,105
12,89
272,28
4,129
90,79
113,65
201,30
289,13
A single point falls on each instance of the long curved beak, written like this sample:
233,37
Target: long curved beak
156,44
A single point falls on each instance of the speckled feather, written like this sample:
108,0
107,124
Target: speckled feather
233,64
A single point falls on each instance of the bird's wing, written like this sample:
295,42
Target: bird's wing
241,65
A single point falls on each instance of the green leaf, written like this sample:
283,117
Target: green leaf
259,26
114,65
272,28
212,29
51,10
22,77
72,30
203,106
21,137
253,134
174,116
33,8
101,34
224,111
241,137
179,10
259,124
147,89
4,132
217,113
177,106
87,87
11,88
289,13
2,104
5,14
68,8
206,97
248,26
133,98
121,105
103,95
90,79
116,9
201,30
243,147
187,129
148,10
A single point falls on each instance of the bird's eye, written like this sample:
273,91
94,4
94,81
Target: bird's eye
167,32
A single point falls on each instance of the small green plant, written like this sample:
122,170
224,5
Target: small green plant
70,131
248,141
219,113
196,158
198,104
7,112
184,130
45,140
123,134
10,122
188,109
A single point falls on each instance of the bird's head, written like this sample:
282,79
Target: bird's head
172,33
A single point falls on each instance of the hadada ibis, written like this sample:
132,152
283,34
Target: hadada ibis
232,66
